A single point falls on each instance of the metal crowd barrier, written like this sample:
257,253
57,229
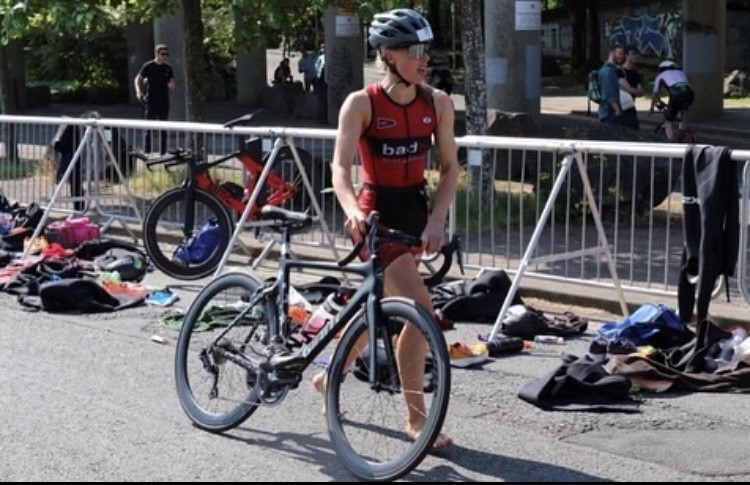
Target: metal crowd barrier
636,187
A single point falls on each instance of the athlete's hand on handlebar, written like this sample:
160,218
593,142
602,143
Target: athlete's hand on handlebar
356,225
432,237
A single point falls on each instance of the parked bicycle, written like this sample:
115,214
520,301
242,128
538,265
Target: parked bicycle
238,350
199,200
681,133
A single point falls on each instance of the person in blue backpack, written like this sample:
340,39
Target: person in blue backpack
610,110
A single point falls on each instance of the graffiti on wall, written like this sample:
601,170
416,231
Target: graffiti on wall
653,35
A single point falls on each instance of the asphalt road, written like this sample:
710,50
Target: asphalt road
92,398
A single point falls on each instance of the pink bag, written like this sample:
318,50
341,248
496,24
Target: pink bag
71,232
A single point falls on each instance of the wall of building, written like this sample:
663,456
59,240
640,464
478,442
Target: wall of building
656,33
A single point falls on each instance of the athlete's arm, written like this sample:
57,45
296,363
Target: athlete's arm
445,141
353,119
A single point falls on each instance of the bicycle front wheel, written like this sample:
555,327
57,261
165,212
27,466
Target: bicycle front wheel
167,234
220,345
367,420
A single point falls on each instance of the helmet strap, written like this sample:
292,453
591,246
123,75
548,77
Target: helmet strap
392,67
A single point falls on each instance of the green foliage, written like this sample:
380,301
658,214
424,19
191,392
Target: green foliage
98,60
17,170
505,207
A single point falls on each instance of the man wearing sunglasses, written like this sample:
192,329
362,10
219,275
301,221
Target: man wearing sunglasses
392,125
152,85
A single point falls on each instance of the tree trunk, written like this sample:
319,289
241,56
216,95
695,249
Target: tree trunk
435,18
578,58
594,39
194,60
9,106
480,171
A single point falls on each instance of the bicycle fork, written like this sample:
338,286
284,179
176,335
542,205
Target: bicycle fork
381,378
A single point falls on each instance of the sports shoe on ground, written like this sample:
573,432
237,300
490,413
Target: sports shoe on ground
463,355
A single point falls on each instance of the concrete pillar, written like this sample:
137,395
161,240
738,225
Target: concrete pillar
514,56
344,68
703,55
251,75
140,45
168,30
15,63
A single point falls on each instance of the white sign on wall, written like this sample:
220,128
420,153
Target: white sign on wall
347,26
528,15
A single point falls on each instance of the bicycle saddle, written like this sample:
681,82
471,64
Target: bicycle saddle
286,218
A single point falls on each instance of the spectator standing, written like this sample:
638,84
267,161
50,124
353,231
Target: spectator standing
152,85
320,69
65,143
321,87
283,73
440,75
631,83
610,110
306,66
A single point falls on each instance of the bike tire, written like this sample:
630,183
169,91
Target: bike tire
166,217
215,392
366,424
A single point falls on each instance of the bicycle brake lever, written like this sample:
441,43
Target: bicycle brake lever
242,120
238,121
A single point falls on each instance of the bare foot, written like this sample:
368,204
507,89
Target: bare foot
320,383
442,441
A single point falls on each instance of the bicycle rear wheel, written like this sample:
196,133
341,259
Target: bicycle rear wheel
165,232
219,346
367,422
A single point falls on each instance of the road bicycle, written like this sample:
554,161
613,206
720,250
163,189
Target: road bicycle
682,134
181,212
238,350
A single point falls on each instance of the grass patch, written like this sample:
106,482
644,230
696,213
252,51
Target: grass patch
737,103
17,170
504,208
159,181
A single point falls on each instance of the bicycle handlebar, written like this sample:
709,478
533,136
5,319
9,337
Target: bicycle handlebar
376,234
177,156
447,251
242,120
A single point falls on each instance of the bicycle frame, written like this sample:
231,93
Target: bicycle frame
368,294
678,125
282,190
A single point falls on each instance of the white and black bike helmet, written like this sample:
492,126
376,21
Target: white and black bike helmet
398,28
668,64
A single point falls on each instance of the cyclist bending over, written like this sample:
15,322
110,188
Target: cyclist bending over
391,124
674,80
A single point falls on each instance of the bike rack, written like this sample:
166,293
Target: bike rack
89,145
531,248
742,271
280,142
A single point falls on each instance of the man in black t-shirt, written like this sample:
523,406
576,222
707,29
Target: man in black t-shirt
152,85
631,82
